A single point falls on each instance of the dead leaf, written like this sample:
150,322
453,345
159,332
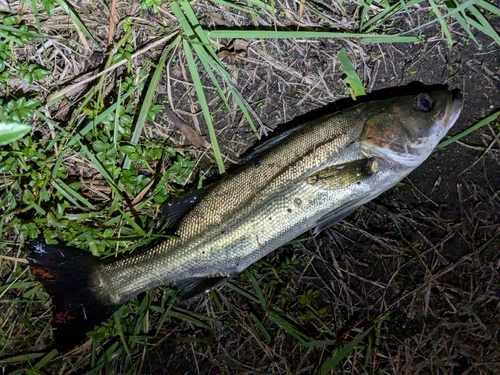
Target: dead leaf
240,45
191,135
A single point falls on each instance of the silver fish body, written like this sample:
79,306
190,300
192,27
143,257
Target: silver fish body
313,177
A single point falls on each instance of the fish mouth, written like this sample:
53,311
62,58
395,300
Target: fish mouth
449,114
445,118
456,105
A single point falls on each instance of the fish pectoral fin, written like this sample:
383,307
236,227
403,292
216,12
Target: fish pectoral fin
189,288
340,175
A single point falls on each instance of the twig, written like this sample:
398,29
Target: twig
69,88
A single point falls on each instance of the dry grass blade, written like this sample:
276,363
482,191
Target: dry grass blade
76,20
58,95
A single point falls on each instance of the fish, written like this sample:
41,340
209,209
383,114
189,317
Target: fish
308,178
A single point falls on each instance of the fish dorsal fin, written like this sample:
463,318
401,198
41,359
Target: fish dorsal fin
266,145
175,209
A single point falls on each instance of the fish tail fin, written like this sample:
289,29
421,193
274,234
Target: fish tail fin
67,275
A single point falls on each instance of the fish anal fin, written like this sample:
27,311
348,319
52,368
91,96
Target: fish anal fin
66,275
189,288
340,175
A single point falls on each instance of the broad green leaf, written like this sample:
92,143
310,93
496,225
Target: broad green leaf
12,131
352,78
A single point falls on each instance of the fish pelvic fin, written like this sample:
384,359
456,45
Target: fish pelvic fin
192,287
66,273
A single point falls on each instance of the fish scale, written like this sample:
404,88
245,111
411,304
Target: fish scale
312,177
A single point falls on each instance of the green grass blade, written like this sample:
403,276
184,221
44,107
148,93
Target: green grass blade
189,31
287,326
187,318
205,52
267,34
460,8
116,123
46,359
91,125
204,105
460,19
26,358
489,7
70,194
140,232
366,8
375,21
352,79
485,25
442,22
261,327
13,30
78,22
342,353
387,14
86,153
257,288
212,64
117,316
466,132
196,28
148,100
241,291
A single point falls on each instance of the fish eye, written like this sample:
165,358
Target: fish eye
423,103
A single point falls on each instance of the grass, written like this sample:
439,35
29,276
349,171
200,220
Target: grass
99,157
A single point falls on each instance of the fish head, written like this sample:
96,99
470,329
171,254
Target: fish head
405,130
